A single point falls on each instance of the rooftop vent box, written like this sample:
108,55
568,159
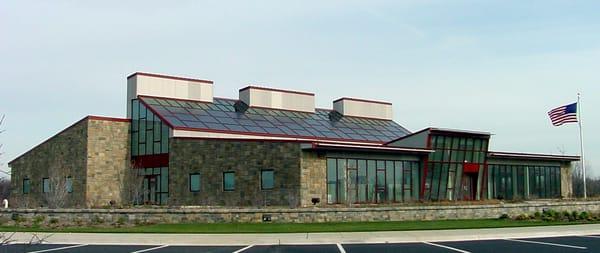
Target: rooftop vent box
155,85
262,97
363,108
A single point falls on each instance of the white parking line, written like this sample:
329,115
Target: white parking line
342,250
242,249
589,236
547,243
66,247
150,249
446,247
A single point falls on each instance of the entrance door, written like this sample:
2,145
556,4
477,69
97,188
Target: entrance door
150,184
469,186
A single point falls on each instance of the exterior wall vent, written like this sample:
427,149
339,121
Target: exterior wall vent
261,97
167,86
363,108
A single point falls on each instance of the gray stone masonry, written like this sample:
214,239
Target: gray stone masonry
297,215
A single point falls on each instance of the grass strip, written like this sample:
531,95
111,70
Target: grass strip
220,228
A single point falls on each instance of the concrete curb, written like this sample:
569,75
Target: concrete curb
313,238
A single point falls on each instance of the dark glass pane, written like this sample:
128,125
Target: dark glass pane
371,182
229,181
194,182
267,179
341,176
331,181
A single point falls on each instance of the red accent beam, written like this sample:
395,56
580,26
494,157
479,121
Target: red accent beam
151,161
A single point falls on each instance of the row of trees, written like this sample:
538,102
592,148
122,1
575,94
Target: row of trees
593,183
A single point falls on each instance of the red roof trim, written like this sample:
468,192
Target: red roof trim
362,100
237,139
86,118
272,135
170,77
278,90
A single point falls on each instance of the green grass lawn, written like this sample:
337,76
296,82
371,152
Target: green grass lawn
299,228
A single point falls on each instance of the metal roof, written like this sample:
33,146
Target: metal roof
233,116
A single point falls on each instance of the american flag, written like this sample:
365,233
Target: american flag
564,114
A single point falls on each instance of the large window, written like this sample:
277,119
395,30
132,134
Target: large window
26,186
155,185
194,182
453,169
45,185
228,181
69,184
267,181
149,135
520,181
371,181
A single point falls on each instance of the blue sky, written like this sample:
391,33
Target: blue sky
495,66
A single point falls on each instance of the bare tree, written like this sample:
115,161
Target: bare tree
4,188
58,193
133,185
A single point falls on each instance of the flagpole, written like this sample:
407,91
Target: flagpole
579,119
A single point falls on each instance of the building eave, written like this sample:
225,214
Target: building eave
530,156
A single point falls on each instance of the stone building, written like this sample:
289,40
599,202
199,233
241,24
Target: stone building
181,146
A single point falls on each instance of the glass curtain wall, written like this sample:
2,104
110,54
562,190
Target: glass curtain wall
444,179
371,181
149,135
154,184
523,182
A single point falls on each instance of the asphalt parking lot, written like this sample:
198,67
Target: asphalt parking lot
566,244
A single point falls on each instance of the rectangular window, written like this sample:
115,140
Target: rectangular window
26,186
69,184
45,185
331,181
194,182
267,180
228,181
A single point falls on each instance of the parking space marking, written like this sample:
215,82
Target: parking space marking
547,243
446,247
61,248
242,249
150,249
589,236
342,250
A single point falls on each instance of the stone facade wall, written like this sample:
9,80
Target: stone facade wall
313,178
60,156
210,158
108,160
566,180
299,215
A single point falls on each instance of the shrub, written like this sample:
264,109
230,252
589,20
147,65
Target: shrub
38,219
53,221
584,216
574,216
121,220
97,220
503,216
522,217
537,215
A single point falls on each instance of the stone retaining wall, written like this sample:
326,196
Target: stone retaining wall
297,215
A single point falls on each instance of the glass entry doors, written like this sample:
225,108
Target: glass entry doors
469,186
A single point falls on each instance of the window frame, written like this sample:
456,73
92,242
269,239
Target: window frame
226,173
262,186
190,182
68,187
28,186
44,180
